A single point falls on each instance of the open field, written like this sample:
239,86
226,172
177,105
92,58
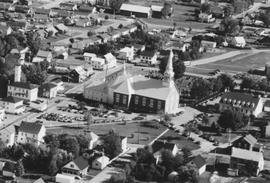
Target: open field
240,63
136,133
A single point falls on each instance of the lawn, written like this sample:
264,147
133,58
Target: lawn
136,133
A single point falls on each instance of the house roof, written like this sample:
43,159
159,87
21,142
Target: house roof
48,86
156,8
40,180
158,145
43,54
4,6
42,11
61,27
81,162
24,85
109,56
239,39
29,127
147,53
97,59
103,159
89,54
11,99
199,161
135,8
86,8
246,154
243,99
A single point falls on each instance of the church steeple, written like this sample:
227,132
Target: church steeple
169,74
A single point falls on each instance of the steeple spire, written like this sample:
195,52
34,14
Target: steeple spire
169,74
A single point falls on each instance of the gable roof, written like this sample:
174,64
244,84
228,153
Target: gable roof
11,99
81,162
109,56
24,85
158,145
147,53
243,99
239,39
40,180
42,11
135,8
199,161
28,127
43,54
48,86
246,154
156,8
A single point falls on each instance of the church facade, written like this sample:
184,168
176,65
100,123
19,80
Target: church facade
137,93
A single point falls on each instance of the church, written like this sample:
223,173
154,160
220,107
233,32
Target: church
137,93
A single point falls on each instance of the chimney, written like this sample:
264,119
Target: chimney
18,73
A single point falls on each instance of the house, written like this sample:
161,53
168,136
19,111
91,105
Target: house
246,162
21,9
123,143
59,13
94,139
135,10
104,37
126,53
9,169
2,114
98,63
208,45
148,57
159,146
59,83
41,18
115,34
12,105
42,34
110,60
87,9
83,23
199,163
204,17
43,56
241,103
62,178
40,180
78,166
22,90
247,142
136,93
178,34
42,11
80,73
39,105
47,90
124,31
15,25
239,42
5,30
4,6
132,27
31,132
100,163
50,28
7,135
62,28
138,48
88,56
156,11
68,6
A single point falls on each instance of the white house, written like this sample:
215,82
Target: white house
123,143
199,163
110,60
43,56
239,42
126,53
25,91
78,166
39,105
62,178
159,146
98,63
31,133
12,105
2,114
148,57
101,162
88,56
204,17
59,83
208,45
241,103
7,135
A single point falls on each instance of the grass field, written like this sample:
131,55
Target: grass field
240,63
136,133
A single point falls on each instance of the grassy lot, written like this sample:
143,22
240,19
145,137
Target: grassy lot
240,63
136,133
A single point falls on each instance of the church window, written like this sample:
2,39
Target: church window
117,98
136,100
151,104
144,101
159,105
124,99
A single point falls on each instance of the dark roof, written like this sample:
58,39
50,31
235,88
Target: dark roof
24,85
85,8
20,24
28,127
248,138
158,145
147,53
81,162
243,99
11,99
267,103
67,4
164,52
47,86
4,6
199,161
42,11
21,9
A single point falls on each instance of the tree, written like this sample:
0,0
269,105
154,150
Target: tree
120,26
19,168
178,67
70,144
33,41
90,33
166,10
228,10
248,83
82,105
229,26
227,82
187,174
116,4
206,8
112,144
200,88
265,17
